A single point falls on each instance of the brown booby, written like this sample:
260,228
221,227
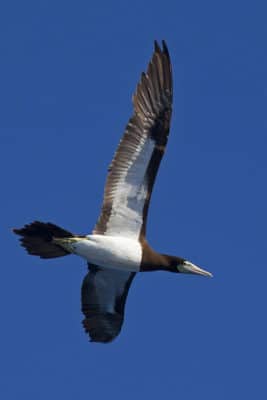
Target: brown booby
117,248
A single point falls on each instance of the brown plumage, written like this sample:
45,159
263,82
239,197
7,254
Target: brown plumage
100,286
37,238
127,194
150,121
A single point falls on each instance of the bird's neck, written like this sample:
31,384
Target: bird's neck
153,261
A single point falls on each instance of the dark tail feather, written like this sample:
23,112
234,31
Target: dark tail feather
37,238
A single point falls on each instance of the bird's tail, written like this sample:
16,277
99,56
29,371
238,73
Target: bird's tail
38,239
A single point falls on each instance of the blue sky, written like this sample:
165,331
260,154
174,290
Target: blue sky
68,70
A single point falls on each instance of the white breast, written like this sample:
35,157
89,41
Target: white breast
114,252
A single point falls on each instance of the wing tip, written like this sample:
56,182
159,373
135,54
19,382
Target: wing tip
95,335
157,48
164,50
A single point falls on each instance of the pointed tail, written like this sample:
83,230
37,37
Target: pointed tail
37,237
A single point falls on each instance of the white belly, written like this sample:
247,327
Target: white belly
110,252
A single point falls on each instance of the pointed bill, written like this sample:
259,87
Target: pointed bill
191,268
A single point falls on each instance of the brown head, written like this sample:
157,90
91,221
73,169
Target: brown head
177,264
153,261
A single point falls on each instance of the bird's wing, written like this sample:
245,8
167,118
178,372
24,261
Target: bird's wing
134,167
104,293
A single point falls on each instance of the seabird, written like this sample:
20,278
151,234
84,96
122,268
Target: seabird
117,248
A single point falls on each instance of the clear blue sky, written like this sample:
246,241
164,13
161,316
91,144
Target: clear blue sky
68,70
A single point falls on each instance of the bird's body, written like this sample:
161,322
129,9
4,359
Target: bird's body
117,248
112,252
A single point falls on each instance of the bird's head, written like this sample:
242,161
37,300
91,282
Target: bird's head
177,264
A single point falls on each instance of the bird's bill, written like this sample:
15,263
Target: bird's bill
191,268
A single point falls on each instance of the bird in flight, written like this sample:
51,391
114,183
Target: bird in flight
117,248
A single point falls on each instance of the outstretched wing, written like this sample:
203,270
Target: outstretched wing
104,293
135,164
